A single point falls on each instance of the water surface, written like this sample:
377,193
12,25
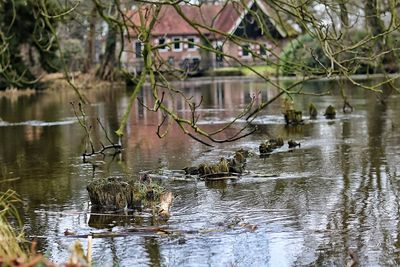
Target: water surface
338,191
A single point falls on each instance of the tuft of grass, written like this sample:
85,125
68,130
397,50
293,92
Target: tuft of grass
11,242
262,69
227,71
243,71
15,250
15,92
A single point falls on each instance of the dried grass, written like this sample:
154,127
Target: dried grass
15,92
10,240
14,249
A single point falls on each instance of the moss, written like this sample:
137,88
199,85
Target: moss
224,167
330,112
270,145
226,72
118,193
262,69
312,110
293,117
243,71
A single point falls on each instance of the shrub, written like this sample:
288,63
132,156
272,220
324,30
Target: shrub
73,54
305,56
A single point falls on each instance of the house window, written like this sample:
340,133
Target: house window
263,50
162,44
138,49
246,51
219,56
177,45
191,43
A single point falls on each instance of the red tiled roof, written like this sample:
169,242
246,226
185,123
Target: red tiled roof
221,17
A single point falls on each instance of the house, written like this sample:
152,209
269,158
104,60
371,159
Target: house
179,42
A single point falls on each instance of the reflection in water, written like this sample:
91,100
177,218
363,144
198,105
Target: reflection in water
102,221
339,191
221,185
153,250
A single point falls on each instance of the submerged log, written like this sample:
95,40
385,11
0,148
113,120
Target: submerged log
224,168
130,231
221,176
191,170
118,193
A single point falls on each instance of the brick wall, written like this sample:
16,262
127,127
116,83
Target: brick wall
176,53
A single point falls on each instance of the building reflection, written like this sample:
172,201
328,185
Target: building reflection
339,191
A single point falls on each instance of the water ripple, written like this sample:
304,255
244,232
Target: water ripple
37,123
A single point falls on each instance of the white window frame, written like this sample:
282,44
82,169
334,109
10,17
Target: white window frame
165,49
179,40
194,48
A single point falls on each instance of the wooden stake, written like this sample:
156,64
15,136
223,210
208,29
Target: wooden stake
89,250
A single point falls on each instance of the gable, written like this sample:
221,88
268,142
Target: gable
230,17
256,24
169,22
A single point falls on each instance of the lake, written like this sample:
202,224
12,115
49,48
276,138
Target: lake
338,192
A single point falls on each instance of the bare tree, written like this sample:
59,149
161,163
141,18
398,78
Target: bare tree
336,53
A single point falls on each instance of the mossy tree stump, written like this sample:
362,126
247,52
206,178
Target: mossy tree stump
330,112
293,117
313,112
118,193
270,145
224,168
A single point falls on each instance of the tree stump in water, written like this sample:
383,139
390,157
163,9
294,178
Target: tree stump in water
312,109
293,117
165,204
330,112
118,193
268,146
225,168
293,144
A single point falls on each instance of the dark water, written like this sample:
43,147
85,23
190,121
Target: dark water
338,192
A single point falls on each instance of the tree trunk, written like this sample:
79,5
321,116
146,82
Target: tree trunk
388,61
90,40
206,56
344,14
106,70
373,18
